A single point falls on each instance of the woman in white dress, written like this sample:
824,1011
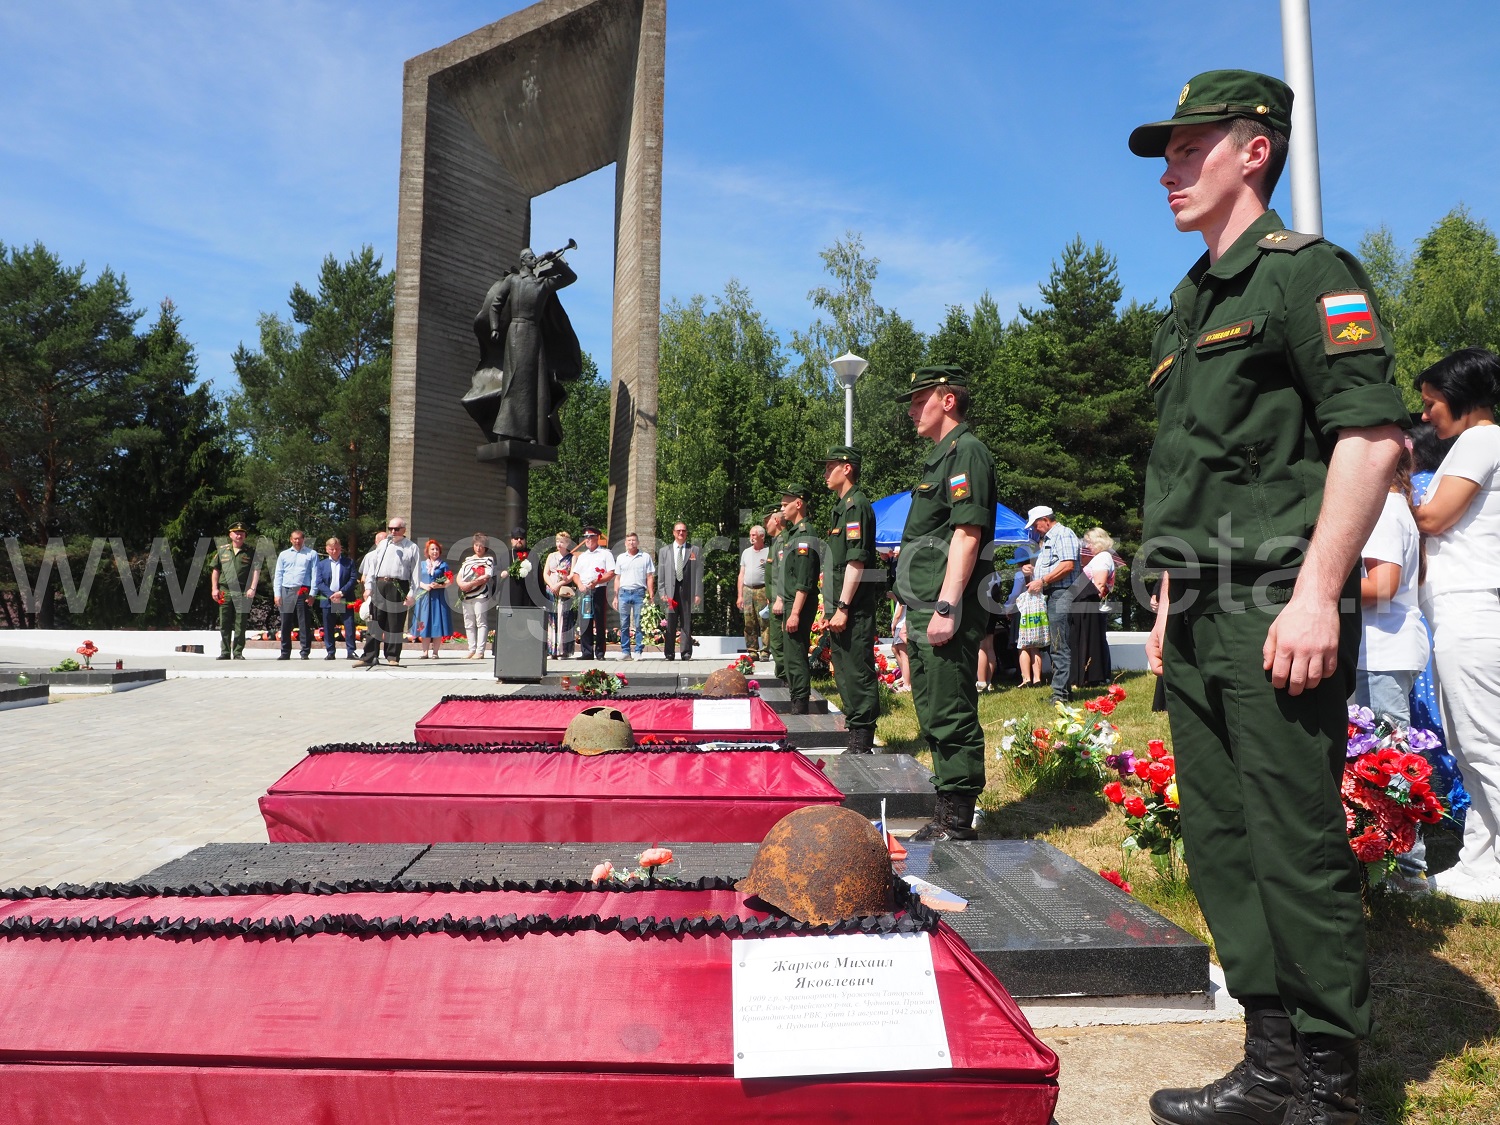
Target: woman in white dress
1461,597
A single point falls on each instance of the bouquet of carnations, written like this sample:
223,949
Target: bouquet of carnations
1069,754
646,864
1155,825
519,568
743,665
596,682
1386,789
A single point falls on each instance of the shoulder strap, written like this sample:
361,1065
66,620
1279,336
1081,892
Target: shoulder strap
1289,241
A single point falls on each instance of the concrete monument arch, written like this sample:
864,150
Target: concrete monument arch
490,121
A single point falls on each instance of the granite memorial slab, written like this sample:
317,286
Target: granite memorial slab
13,695
229,864
1045,925
94,680
904,784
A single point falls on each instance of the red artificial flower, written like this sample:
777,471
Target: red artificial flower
88,648
1353,730
1116,878
655,857
1368,769
1431,811
1116,692
1134,806
1156,748
672,604
1370,846
1114,792
1158,773
1143,770
1415,768
602,871
1092,705
1389,759
1106,706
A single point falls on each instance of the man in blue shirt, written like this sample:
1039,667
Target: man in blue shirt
336,576
1052,576
295,574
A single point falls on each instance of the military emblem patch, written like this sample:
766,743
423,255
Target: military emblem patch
802,550
1182,97
958,487
1348,322
851,529
1161,369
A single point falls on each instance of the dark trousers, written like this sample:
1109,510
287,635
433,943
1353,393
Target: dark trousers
677,630
794,655
1059,617
232,616
1258,772
591,629
344,615
946,700
853,653
295,615
774,639
387,626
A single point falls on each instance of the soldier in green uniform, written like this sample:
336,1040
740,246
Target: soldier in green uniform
1277,440
854,582
776,533
233,565
801,562
952,519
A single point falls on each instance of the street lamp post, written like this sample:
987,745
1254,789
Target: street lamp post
849,367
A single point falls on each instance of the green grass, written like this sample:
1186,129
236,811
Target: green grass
1434,1058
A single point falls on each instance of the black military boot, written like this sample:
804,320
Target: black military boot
1328,1085
1256,1092
861,741
799,707
953,820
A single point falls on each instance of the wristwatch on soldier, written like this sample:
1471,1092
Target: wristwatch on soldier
943,609
841,606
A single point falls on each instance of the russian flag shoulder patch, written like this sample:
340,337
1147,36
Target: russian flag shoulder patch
1349,323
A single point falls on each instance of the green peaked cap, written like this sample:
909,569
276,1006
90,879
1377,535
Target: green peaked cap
1219,95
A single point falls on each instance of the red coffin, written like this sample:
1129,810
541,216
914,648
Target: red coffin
482,1016
476,721
409,794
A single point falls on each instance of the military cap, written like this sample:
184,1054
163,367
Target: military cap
844,453
801,491
590,529
943,375
236,526
1219,95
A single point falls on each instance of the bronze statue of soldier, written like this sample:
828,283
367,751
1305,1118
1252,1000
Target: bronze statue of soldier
528,351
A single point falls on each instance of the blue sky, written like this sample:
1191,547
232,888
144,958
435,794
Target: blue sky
214,153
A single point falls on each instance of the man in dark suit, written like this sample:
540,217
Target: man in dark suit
679,585
334,586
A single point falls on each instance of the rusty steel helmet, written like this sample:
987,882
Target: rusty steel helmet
823,864
598,730
725,682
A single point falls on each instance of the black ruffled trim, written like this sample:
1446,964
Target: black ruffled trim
769,745
360,886
912,915
914,918
564,693
510,925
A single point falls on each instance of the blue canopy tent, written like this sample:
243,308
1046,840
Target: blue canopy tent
890,520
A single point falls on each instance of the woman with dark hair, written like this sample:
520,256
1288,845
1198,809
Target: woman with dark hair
1460,517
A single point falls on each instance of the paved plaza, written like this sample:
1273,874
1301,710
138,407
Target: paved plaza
107,787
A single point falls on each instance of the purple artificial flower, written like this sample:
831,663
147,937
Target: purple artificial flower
1123,763
1361,717
1360,744
1420,738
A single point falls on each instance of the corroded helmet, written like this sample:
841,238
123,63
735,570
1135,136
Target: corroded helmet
598,730
823,864
725,682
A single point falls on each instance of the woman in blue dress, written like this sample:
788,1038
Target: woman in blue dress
432,622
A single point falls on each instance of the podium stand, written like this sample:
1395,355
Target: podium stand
520,644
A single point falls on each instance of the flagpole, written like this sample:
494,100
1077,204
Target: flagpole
1297,60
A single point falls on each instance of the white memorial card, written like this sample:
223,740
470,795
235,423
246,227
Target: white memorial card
836,1004
721,714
